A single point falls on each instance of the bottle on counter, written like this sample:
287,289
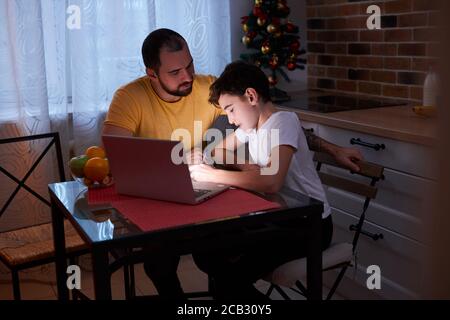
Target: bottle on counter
430,89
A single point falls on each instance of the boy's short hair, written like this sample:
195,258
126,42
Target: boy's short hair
236,78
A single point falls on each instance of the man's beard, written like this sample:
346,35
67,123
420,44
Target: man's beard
177,92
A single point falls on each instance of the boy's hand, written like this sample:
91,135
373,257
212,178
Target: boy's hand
194,156
202,173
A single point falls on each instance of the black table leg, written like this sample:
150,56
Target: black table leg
101,274
314,257
60,251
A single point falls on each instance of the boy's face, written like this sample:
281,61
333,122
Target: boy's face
240,111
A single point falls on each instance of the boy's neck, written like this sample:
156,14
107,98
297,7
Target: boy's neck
266,110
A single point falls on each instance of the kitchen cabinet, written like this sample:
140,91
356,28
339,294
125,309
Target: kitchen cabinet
399,210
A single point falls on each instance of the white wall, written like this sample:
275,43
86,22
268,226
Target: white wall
239,8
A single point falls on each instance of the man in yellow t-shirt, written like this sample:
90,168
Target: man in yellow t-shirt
168,103
129,110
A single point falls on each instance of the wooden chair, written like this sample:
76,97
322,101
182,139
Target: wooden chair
338,255
33,246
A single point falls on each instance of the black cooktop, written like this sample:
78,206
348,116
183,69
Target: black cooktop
335,103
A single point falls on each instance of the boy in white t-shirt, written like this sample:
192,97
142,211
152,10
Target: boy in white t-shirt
281,160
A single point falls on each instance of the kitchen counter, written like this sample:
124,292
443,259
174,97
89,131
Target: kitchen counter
397,122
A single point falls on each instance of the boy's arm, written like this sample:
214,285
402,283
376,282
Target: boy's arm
255,180
225,153
344,156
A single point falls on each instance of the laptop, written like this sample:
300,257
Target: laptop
144,167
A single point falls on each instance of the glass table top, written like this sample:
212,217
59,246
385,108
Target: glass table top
102,223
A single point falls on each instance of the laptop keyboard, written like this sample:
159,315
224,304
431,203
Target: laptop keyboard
200,192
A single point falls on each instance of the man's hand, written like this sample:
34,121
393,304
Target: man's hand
202,173
194,156
347,157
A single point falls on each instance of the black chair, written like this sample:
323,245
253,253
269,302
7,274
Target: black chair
33,246
338,255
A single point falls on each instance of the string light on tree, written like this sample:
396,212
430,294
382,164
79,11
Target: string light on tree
273,39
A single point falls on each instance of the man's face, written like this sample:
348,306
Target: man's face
176,72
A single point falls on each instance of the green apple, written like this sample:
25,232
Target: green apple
76,165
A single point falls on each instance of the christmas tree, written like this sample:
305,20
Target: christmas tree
276,40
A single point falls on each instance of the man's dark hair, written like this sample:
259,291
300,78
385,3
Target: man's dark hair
157,40
236,78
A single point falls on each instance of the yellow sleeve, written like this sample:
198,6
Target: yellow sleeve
123,112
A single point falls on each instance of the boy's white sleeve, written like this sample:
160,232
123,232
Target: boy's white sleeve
288,127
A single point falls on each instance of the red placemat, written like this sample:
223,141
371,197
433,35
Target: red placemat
105,195
150,214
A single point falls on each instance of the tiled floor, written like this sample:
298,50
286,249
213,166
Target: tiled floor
40,283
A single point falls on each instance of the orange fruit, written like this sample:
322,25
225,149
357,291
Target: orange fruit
95,151
96,169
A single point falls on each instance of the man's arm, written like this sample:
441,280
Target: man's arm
115,131
344,156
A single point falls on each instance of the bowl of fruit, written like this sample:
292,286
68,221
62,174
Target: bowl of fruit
91,168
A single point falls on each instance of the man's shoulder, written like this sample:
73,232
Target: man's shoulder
135,86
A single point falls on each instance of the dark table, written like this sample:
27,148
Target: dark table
107,230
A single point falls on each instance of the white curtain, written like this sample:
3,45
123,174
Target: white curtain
205,24
53,78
